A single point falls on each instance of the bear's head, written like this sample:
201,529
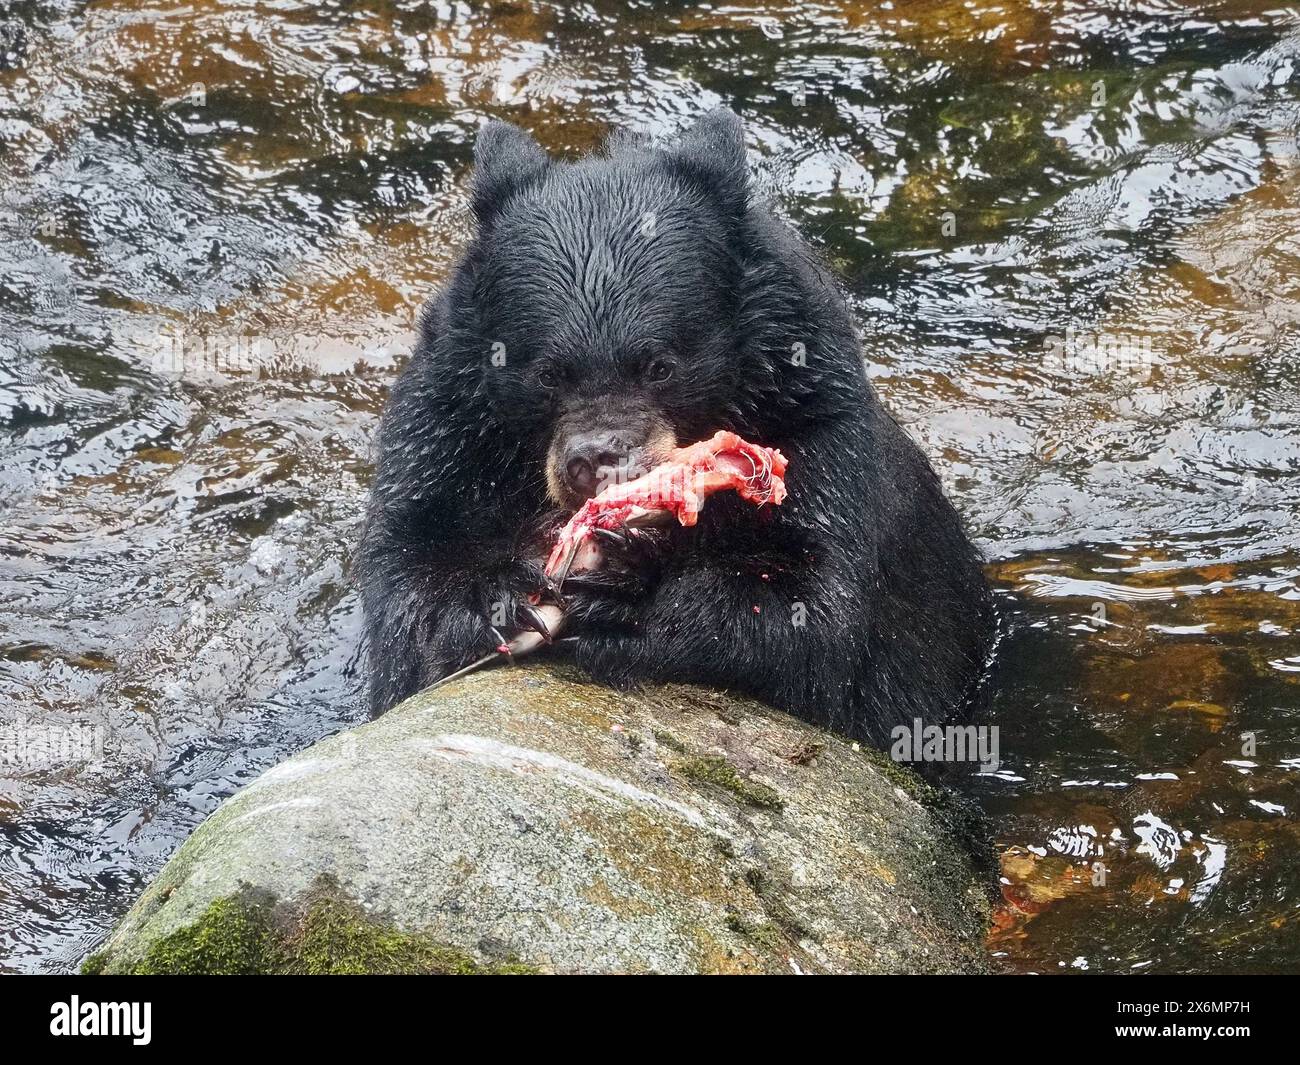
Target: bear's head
600,298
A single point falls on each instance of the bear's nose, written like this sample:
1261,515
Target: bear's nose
595,460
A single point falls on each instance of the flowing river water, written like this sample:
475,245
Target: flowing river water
1071,231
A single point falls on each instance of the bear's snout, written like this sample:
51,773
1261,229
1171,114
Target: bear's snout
593,461
584,462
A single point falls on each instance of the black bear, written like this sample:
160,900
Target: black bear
606,311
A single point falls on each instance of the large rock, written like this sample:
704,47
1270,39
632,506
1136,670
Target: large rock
524,820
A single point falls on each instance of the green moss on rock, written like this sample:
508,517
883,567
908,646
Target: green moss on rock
711,769
771,895
335,938
231,938
904,778
767,935
324,934
667,739
94,965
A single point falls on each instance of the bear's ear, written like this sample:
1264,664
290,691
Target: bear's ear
713,152
504,158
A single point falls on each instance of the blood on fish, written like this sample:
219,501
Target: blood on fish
675,489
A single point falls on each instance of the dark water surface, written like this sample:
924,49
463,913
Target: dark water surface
209,186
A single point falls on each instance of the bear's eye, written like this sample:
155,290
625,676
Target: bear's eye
660,370
547,377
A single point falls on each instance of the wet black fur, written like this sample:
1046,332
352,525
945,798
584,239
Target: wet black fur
591,270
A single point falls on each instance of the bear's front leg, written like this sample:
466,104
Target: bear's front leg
614,595
780,627
432,610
